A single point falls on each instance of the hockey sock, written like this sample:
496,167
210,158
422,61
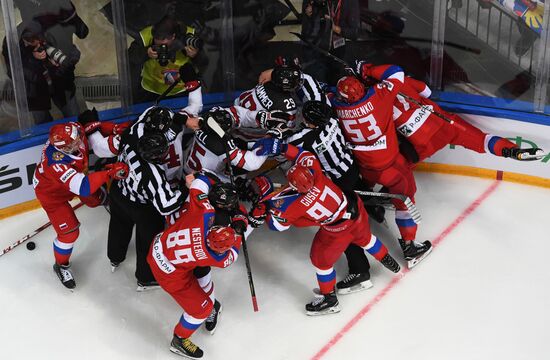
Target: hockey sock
187,325
495,144
326,279
207,285
407,226
63,247
376,248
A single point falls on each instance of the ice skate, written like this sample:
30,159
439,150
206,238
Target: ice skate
389,262
147,285
64,275
211,322
185,348
523,154
323,304
415,252
354,283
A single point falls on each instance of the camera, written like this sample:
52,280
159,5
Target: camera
57,55
319,3
163,54
194,41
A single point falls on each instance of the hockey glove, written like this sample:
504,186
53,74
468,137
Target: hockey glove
256,216
268,120
362,69
281,131
244,189
239,223
88,116
117,171
270,146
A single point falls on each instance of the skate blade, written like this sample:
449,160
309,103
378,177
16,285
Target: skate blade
412,263
147,288
356,288
332,310
180,353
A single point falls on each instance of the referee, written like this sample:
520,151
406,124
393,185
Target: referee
145,196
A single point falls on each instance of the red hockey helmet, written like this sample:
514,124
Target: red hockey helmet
66,137
221,238
300,178
350,89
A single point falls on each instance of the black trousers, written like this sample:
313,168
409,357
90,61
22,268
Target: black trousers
124,215
355,255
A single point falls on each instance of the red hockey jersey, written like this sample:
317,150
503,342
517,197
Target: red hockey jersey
182,245
325,203
367,124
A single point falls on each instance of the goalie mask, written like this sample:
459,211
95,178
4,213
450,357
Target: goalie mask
350,89
153,147
317,113
158,119
66,138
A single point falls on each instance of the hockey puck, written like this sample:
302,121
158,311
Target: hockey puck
31,245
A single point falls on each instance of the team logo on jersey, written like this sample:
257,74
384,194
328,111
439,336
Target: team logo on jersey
202,196
278,203
57,155
321,148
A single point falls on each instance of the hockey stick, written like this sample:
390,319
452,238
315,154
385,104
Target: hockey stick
34,233
346,65
170,88
411,207
212,124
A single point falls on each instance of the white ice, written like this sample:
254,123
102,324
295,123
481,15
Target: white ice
483,293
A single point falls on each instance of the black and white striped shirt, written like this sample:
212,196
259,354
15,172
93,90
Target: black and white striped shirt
311,90
329,145
146,182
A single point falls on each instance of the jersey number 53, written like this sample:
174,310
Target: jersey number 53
360,133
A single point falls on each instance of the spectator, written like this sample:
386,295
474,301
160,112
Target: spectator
329,24
48,73
163,55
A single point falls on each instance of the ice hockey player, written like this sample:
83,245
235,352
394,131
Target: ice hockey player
203,237
366,118
429,133
208,150
320,134
63,174
311,199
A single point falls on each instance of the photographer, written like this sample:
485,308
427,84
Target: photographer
163,55
329,24
48,72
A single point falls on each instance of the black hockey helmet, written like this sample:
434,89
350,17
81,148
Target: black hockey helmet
317,113
153,147
223,196
221,116
287,73
158,119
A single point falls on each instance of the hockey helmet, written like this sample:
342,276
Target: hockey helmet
221,238
317,113
158,119
300,178
153,147
223,117
350,89
223,196
287,74
67,137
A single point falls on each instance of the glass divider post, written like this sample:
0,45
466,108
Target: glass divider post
123,64
543,63
438,39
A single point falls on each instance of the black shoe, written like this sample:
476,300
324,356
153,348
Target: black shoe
415,252
354,283
212,320
185,347
147,285
523,154
114,266
323,304
389,262
64,275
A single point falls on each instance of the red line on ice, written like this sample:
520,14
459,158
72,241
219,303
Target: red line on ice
473,206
